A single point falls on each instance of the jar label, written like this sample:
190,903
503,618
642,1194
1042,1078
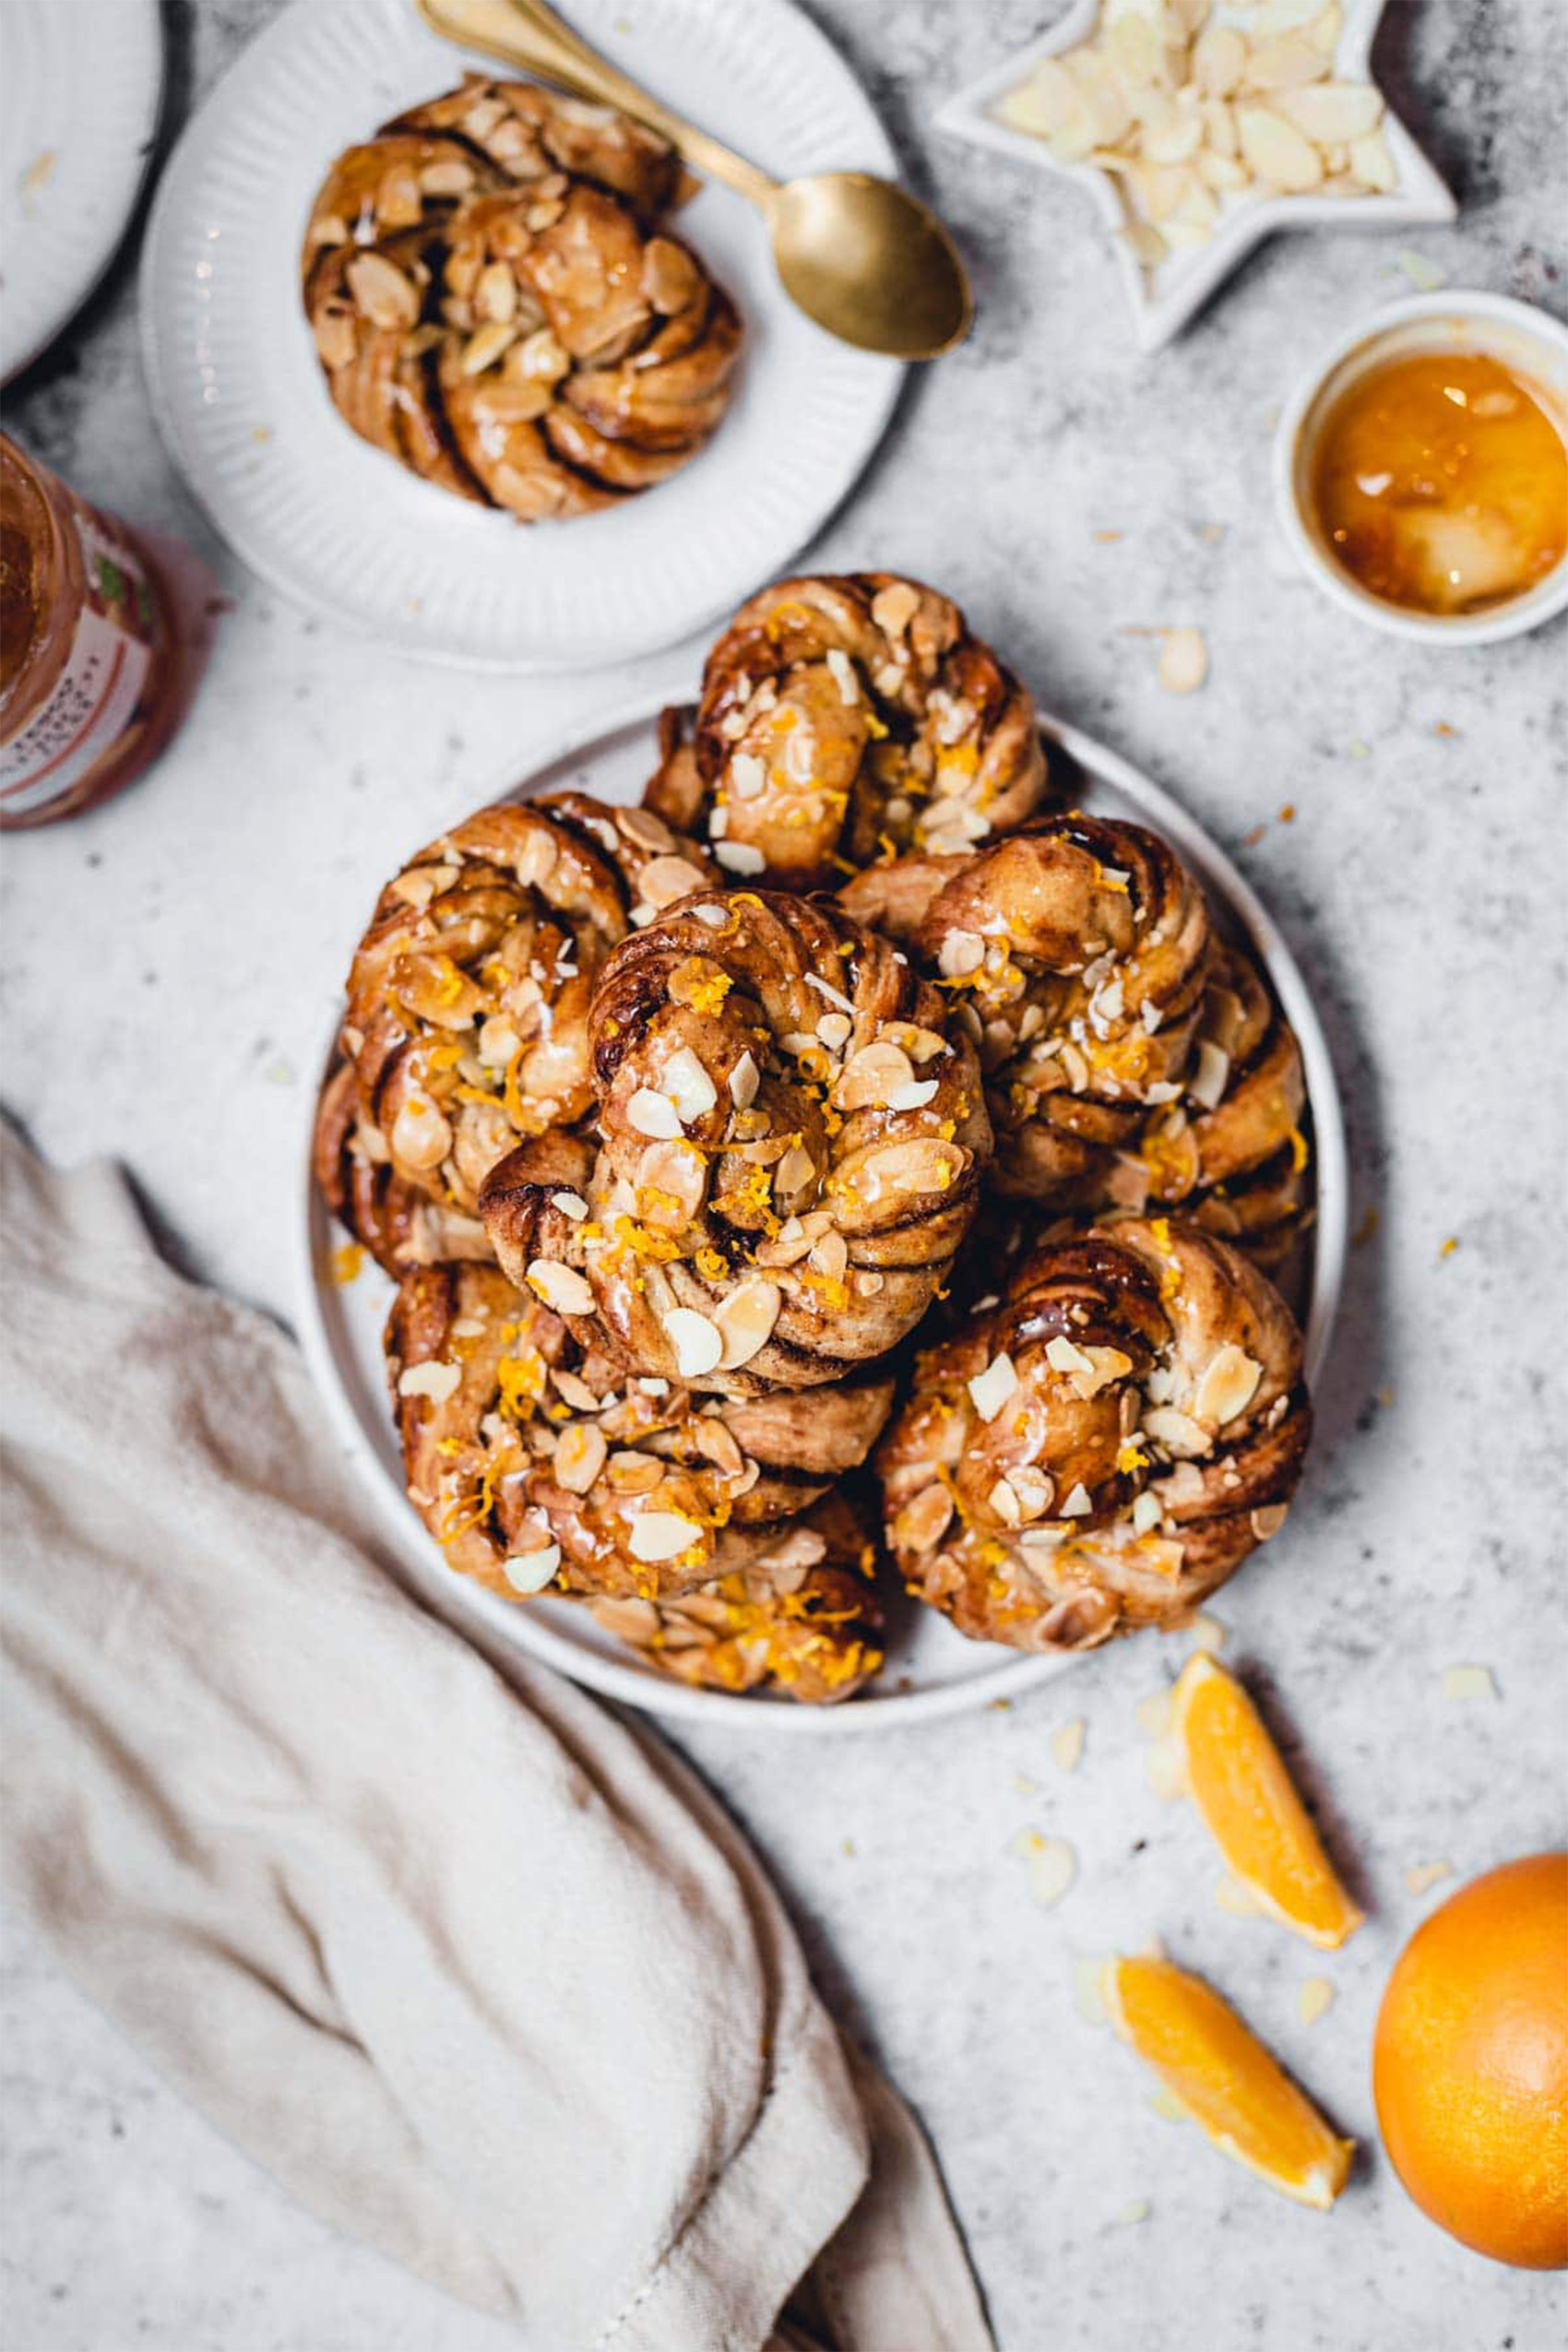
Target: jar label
99,687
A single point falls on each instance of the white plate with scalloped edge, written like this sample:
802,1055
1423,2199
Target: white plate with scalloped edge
341,528
931,1670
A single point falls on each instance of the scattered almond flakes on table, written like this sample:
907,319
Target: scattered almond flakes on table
1208,1633
1137,2209
1421,1875
1067,1743
1182,666
1052,1865
1194,116
1089,1997
1313,1999
1468,1682
1167,2106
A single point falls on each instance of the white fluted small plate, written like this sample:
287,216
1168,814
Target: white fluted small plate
78,112
340,526
1163,300
931,1670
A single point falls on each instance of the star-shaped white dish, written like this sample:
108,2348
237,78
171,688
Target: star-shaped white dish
1164,298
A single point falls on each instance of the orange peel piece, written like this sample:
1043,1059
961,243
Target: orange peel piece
1218,2072
1237,1778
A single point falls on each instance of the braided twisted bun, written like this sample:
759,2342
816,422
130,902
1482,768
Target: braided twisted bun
533,1463
842,714
1104,1448
499,309
530,134
792,1141
399,1225
468,1001
1232,1155
1079,950
800,1617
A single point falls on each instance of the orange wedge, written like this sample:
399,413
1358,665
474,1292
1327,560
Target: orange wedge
1219,2074
1236,1777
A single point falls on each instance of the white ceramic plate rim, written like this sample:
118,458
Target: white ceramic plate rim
1464,305
884,383
1420,198
123,175
642,1687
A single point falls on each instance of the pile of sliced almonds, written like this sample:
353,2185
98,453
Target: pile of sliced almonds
1196,108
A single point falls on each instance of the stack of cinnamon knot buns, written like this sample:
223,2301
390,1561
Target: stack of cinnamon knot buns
852,1152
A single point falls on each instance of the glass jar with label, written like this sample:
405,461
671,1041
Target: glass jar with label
89,677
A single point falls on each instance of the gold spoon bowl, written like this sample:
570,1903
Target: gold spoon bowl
861,255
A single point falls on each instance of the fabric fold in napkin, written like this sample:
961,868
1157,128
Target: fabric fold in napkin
478,1971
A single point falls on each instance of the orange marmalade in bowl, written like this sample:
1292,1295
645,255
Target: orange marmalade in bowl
1439,483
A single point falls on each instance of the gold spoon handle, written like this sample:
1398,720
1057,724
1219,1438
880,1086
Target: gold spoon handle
531,34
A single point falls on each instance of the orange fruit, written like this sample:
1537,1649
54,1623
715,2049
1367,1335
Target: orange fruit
1236,1777
1221,2075
1470,2064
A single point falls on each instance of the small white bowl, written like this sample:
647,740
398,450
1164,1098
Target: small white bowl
1522,338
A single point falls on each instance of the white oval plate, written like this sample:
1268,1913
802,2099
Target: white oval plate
931,1670
79,109
342,528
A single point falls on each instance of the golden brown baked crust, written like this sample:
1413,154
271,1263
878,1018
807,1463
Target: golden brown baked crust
495,303
791,1138
1104,1448
1231,1154
535,1465
843,714
399,1225
799,1618
1081,950
468,1001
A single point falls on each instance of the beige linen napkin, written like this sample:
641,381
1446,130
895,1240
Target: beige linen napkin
480,1973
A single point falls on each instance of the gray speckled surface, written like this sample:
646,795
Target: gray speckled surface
166,967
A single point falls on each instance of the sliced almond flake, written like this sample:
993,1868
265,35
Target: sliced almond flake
794,1172
1164,1770
1148,1512
696,1342
1315,1998
1088,1995
748,776
1206,1632
570,1205
1210,1078
529,1572
688,1085
962,952
1152,1715
842,670
575,1390
1176,1431
745,1320
716,918
1239,1900
1183,661
1276,150
1079,1505
1421,1875
1228,1384
653,1115
1063,1356
579,1457
654,1537
436,1381
1052,1865
562,1288
835,1030
663,880
739,856
744,1079
913,1097
1374,166
1005,1502
652,1387
1067,1743
1145,243
1330,113
990,1389
1468,1682
834,996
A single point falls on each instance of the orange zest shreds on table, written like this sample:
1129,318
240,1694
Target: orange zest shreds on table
1221,2075
1236,1777
348,1262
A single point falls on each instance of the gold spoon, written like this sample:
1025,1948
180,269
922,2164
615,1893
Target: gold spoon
858,255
